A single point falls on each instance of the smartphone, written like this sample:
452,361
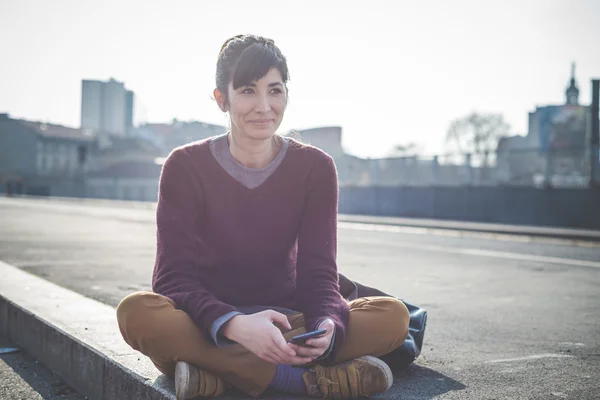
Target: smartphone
301,339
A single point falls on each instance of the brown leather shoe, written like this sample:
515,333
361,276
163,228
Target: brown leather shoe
191,382
362,377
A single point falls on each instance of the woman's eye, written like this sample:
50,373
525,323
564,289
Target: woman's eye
277,91
247,91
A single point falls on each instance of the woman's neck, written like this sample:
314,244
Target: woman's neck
253,153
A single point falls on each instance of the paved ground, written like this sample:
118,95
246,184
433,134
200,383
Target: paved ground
24,378
507,319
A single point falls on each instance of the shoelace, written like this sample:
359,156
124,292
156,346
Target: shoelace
342,388
324,384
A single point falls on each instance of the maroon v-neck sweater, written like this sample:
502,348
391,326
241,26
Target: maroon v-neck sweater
221,244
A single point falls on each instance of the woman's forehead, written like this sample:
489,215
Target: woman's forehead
271,78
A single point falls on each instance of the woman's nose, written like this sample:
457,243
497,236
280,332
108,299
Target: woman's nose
262,104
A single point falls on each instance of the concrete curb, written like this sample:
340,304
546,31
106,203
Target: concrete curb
577,235
77,338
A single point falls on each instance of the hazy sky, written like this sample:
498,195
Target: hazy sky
389,72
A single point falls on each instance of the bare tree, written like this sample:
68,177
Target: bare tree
476,134
405,150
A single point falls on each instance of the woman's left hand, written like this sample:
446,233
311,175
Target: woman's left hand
316,347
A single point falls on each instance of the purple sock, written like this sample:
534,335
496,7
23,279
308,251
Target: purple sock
288,379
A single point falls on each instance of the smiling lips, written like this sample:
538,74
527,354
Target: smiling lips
261,122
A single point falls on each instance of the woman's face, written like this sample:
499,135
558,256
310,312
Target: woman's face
256,110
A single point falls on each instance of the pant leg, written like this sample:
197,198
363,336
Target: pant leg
377,326
151,324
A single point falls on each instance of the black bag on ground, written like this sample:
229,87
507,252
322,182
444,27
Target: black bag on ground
411,348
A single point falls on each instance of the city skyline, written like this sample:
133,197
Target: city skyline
460,58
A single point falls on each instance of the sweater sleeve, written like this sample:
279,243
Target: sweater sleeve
178,271
317,287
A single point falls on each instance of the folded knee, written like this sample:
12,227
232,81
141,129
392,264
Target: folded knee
130,306
398,319
134,312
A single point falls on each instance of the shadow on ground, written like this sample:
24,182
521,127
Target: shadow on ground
23,377
410,383
420,383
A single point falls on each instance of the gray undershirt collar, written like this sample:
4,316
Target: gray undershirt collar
249,177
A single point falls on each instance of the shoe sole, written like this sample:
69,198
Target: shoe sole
182,379
389,377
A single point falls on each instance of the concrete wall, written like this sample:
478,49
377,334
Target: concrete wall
576,208
91,104
17,149
59,157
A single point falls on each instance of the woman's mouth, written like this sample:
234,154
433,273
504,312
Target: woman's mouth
261,122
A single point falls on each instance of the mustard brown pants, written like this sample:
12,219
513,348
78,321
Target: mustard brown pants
152,324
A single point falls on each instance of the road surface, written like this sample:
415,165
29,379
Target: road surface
510,319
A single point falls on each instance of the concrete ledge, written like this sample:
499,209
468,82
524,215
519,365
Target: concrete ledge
77,338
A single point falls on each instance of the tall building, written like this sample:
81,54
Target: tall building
129,105
561,125
572,91
106,106
555,150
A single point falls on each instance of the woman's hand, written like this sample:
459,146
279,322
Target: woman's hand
316,347
258,333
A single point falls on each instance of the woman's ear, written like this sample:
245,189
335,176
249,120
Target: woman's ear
221,100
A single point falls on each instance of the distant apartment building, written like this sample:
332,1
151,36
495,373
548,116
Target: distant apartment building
106,106
43,159
125,168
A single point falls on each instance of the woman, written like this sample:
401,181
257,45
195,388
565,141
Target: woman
246,257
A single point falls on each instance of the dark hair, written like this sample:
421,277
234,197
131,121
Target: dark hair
247,58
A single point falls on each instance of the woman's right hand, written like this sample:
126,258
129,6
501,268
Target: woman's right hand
258,333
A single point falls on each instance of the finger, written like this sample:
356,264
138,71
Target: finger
294,360
319,342
291,358
270,360
275,354
300,350
297,360
281,343
282,355
328,324
301,360
279,356
279,318
312,352
277,359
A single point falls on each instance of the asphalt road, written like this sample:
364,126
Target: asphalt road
509,319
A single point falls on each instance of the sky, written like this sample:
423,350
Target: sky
388,72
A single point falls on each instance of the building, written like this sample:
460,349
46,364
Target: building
106,106
127,180
560,126
45,159
38,158
123,168
327,138
177,133
555,150
110,150
129,107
